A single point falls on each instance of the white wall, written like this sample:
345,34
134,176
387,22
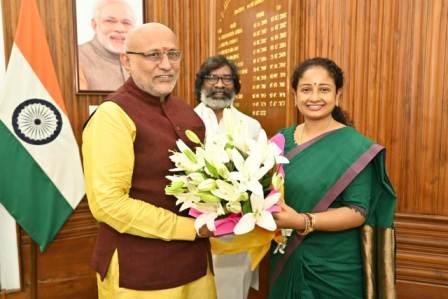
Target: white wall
9,256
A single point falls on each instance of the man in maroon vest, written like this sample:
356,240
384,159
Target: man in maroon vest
145,247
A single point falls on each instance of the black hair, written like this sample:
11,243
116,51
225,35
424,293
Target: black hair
335,73
212,63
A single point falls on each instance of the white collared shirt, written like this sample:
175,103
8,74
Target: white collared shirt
208,116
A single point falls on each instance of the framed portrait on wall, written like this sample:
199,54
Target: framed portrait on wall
101,27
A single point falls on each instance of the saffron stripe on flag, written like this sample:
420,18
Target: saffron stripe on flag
31,40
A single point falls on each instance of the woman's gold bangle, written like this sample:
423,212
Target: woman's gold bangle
309,224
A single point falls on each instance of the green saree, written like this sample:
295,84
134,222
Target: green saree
344,264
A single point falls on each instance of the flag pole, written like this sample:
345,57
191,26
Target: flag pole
33,265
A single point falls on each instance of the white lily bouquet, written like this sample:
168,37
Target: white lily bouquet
231,183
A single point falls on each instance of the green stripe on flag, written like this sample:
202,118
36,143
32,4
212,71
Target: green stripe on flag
27,192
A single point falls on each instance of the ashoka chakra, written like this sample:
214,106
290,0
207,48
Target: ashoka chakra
36,121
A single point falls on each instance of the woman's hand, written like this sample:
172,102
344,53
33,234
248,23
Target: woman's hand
288,218
336,219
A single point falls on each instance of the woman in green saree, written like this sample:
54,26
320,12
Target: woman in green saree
338,200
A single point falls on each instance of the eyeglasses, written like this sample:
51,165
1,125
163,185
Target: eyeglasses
157,55
213,79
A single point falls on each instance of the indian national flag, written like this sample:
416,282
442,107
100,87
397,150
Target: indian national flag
41,179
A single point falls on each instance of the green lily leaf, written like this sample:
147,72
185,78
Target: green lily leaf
246,207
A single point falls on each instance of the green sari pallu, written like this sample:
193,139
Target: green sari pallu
339,168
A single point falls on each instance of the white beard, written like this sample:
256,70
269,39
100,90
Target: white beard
216,104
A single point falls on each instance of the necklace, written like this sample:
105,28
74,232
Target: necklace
298,134
299,139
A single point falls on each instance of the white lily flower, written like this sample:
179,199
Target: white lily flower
195,178
215,207
236,130
187,200
185,160
214,156
183,163
271,154
260,215
249,171
277,152
207,219
215,153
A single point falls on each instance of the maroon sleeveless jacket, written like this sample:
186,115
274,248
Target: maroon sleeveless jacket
150,264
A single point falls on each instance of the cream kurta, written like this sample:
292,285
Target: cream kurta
108,149
233,276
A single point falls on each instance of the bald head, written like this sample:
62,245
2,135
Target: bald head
147,34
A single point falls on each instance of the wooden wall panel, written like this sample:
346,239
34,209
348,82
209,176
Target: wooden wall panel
255,36
190,20
395,57
422,256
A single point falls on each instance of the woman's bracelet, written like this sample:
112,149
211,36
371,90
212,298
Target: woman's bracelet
306,221
309,220
312,218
